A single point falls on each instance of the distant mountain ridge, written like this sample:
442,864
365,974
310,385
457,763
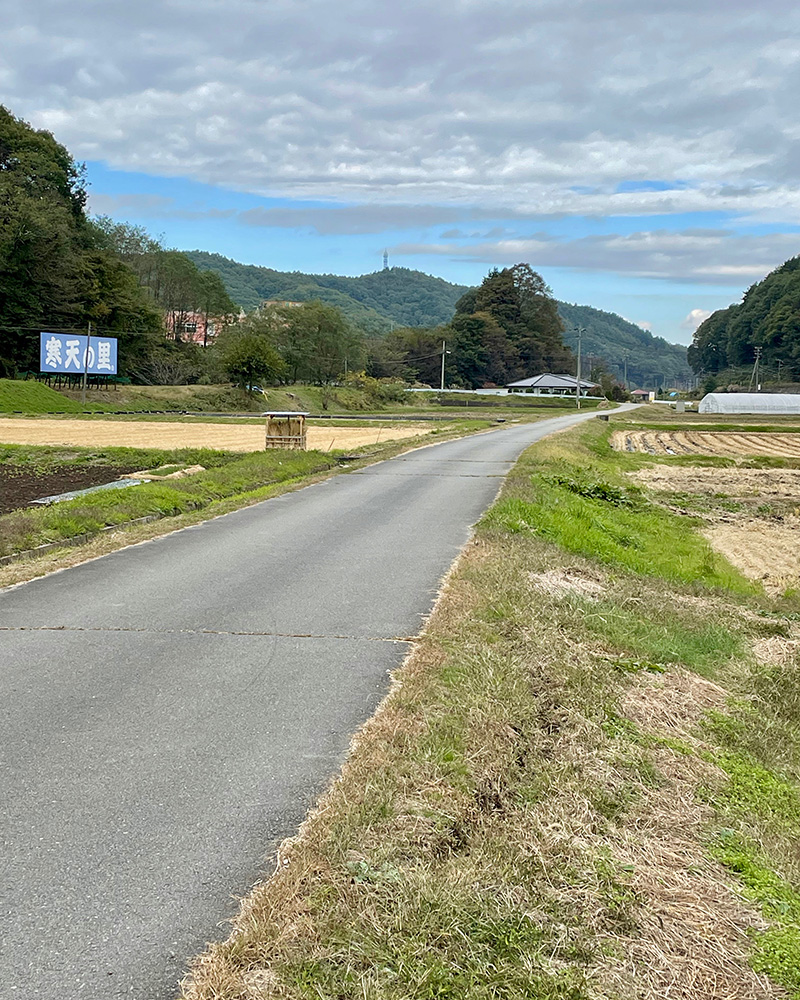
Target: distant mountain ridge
376,302
398,296
651,360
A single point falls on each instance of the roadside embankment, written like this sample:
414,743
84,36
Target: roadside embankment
583,784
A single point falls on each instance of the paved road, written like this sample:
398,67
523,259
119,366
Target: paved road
169,712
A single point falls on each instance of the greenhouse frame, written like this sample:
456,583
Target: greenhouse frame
750,402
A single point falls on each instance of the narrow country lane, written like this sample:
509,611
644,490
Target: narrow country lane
170,711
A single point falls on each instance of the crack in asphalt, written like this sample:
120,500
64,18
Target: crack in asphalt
206,631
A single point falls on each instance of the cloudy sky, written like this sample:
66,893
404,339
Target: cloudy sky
644,157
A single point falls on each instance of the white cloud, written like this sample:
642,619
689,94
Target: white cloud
644,324
695,318
474,103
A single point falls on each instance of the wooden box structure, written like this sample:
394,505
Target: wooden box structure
286,429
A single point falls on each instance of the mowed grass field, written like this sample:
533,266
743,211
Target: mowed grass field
178,434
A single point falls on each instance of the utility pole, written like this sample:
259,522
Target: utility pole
755,376
580,331
444,351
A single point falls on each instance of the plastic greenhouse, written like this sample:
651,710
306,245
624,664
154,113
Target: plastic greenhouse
750,402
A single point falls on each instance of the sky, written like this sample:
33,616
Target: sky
643,157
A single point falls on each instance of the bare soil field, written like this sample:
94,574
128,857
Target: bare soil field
19,487
752,515
225,437
723,444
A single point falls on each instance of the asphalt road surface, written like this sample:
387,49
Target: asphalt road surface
170,711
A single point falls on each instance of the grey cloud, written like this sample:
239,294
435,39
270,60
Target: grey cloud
475,103
152,206
351,220
696,256
146,204
490,234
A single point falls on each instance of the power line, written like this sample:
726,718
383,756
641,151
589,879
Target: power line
65,329
409,361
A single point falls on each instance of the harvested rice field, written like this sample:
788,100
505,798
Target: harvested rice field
762,549
752,516
768,484
714,443
176,434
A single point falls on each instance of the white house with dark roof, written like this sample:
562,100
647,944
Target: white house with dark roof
552,385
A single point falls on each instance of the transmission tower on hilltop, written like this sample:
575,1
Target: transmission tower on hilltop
386,260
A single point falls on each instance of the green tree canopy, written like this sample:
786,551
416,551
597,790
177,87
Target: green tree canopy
56,268
767,317
507,329
316,342
421,351
248,356
177,286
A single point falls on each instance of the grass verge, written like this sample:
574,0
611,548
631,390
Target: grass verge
583,783
31,397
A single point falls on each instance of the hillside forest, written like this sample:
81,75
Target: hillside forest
61,270
398,297
767,320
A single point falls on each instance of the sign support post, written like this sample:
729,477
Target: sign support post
86,365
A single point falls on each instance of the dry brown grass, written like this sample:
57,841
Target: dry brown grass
752,515
489,784
738,482
176,434
696,939
569,581
762,550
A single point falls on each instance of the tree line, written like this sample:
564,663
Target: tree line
768,317
61,270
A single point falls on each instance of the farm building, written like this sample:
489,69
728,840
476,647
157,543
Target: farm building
750,402
551,385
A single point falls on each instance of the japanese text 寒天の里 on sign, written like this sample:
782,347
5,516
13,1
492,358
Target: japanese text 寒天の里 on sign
67,352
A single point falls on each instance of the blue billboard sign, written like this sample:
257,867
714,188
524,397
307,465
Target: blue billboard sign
74,354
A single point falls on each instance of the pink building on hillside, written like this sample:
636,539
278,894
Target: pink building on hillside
197,328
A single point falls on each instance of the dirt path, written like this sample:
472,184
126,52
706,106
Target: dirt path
152,434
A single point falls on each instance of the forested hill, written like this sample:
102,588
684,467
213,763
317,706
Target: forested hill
401,297
375,302
651,360
768,317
